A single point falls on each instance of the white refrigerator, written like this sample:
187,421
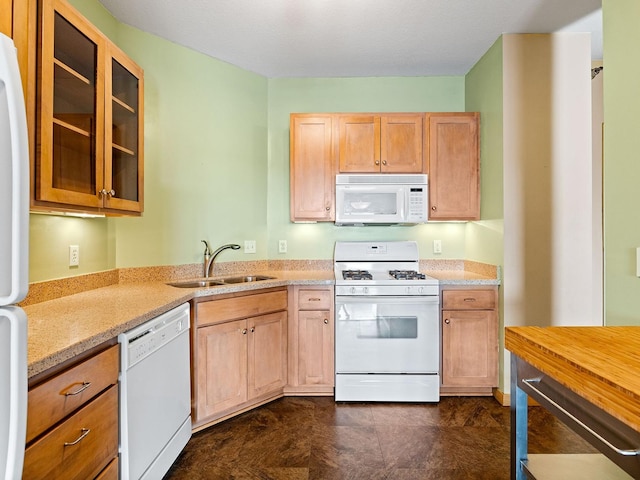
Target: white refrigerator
14,254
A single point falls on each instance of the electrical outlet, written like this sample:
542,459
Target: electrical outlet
74,255
437,246
282,246
249,246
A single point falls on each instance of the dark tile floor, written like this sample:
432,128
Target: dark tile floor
314,438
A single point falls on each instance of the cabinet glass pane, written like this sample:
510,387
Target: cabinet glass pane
124,133
74,109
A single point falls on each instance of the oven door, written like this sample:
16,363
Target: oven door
387,334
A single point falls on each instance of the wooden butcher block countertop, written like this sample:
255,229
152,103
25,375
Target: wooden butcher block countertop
601,364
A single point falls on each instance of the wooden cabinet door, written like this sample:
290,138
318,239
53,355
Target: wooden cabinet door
359,140
124,107
315,347
222,367
70,165
312,168
267,353
6,19
401,144
454,163
469,348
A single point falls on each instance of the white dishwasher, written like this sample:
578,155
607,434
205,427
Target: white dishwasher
155,395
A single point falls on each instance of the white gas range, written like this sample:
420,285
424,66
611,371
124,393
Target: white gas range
387,324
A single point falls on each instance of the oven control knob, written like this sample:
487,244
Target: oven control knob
421,290
353,290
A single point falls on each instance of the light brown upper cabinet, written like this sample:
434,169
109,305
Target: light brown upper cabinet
311,168
380,143
90,118
454,165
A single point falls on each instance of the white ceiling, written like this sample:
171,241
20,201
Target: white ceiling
353,38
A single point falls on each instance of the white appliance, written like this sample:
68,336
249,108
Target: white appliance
381,199
14,265
155,395
387,324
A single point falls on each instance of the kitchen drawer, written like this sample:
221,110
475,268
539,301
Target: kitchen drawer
49,458
51,401
314,299
217,311
480,299
110,472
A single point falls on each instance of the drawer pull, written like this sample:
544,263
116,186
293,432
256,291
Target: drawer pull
85,432
326,321
314,299
82,388
469,299
629,453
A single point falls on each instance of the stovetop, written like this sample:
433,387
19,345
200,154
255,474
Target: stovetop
379,263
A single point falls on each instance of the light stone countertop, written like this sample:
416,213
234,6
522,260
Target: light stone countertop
60,329
64,327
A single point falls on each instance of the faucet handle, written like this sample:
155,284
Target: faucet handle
207,250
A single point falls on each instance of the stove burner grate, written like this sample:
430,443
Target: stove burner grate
356,275
406,275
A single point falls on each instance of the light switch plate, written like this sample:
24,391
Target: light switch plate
437,246
249,246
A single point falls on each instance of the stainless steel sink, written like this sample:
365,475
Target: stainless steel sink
196,283
246,278
219,281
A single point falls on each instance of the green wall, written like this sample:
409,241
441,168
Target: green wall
621,166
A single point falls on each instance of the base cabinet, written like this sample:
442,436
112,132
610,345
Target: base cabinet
72,422
469,341
239,353
311,341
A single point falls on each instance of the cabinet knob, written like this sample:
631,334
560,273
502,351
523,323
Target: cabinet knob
253,329
244,331
377,162
384,162
447,321
111,192
327,208
326,321
104,192
434,208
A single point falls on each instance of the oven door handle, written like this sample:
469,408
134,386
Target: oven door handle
417,300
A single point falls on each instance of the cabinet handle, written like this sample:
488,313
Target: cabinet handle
447,321
434,208
469,299
377,162
244,331
82,388
107,193
530,381
326,321
253,329
84,433
384,162
314,299
327,208
111,192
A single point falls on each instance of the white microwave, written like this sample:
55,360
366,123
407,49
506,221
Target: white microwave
381,199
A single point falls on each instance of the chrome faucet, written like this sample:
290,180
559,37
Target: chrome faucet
210,256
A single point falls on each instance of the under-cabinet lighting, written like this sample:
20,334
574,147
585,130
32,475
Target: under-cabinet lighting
69,214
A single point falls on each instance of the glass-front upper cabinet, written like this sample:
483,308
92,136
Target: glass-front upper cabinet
89,154
124,176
